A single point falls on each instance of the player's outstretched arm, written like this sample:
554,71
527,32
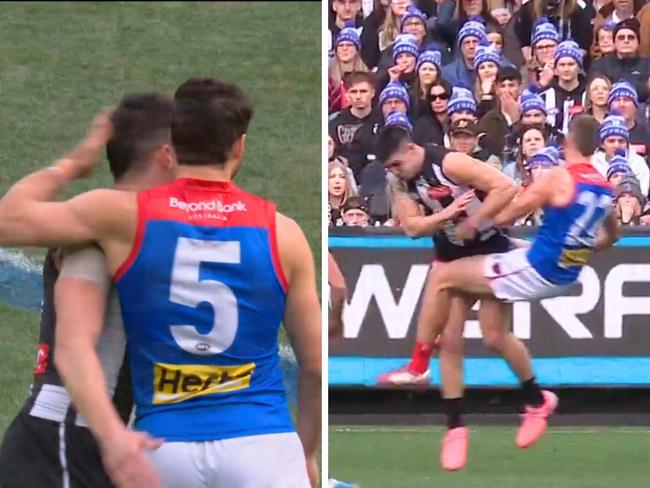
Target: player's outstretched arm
499,189
608,234
302,321
80,299
30,216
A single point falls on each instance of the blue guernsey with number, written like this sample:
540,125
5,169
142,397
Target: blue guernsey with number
202,297
565,241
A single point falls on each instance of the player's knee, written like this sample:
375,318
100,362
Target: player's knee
494,338
451,342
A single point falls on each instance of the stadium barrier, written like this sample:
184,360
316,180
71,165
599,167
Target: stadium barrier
596,335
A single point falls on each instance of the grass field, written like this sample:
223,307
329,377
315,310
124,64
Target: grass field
396,457
60,63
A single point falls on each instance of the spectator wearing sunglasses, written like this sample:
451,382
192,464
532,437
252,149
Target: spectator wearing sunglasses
625,63
429,128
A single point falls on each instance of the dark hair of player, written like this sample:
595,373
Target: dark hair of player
584,132
210,116
389,140
141,124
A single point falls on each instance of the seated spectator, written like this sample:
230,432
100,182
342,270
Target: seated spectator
531,139
494,36
454,14
545,39
429,128
486,67
333,152
539,163
566,92
624,100
618,168
533,111
597,92
614,136
603,40
460,72
461,106
391,26
629,202
354,212
498,122
346,14
340,186
405,56
463,136
625,63
428,74
370,52
360,90
393,98
346,60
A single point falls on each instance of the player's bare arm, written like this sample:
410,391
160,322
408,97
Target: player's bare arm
608,234
413,221
302,321
499,189
80,301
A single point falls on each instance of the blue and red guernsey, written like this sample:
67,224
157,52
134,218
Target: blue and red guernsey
202,296
565,242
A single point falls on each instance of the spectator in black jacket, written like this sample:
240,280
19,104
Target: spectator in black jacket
623,99
625,63
370,52
429,128
345,11
452,15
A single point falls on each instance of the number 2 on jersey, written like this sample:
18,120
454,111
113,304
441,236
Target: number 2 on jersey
583,230
187,289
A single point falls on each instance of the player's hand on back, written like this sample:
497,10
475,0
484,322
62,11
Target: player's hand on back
126,461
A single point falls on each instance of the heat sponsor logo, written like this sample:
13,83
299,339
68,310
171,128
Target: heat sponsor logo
175,383
207,206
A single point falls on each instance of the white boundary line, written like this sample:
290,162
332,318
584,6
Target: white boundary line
551,431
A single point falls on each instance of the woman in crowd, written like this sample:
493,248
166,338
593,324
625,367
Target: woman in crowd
392,22
539,163
346,59
428,74
603,40
486,66
453,14
430,126
340,185
370,51
597,92
540,55
532,139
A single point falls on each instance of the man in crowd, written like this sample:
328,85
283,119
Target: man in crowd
624,100
460,72
355,212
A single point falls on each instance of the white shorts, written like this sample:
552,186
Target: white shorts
513,279
259,461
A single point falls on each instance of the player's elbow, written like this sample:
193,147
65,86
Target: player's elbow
412,229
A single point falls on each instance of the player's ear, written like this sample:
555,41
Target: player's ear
237,152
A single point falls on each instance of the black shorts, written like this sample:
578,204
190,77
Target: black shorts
42,453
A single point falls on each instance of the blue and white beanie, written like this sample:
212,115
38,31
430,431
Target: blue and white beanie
412,12
349,34
531,101
394,90
429,56
546,157
485,54
544,30
405,43
398,119
461,99
622,89
614,125
473,28
569,49
619,164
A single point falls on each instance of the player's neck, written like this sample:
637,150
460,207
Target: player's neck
215,173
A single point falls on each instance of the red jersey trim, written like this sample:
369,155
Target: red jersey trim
275,252
137,242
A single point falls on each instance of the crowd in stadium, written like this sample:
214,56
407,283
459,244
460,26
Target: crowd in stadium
495,79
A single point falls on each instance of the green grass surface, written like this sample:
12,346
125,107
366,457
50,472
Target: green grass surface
385,457
60,63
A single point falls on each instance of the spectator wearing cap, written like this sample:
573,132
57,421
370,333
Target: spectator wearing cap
393,98
461,105
346,59
427,74
618,168
453,14
486,66
461,71
354,212
626,63
360,90
630,201
544,41
539,163
405,54
603,40
532,108
614,136
464,137
429,127
570,18
623,100
391,26
344,13
565,96
498,122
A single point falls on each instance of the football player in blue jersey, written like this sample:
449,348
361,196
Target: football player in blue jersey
205,272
